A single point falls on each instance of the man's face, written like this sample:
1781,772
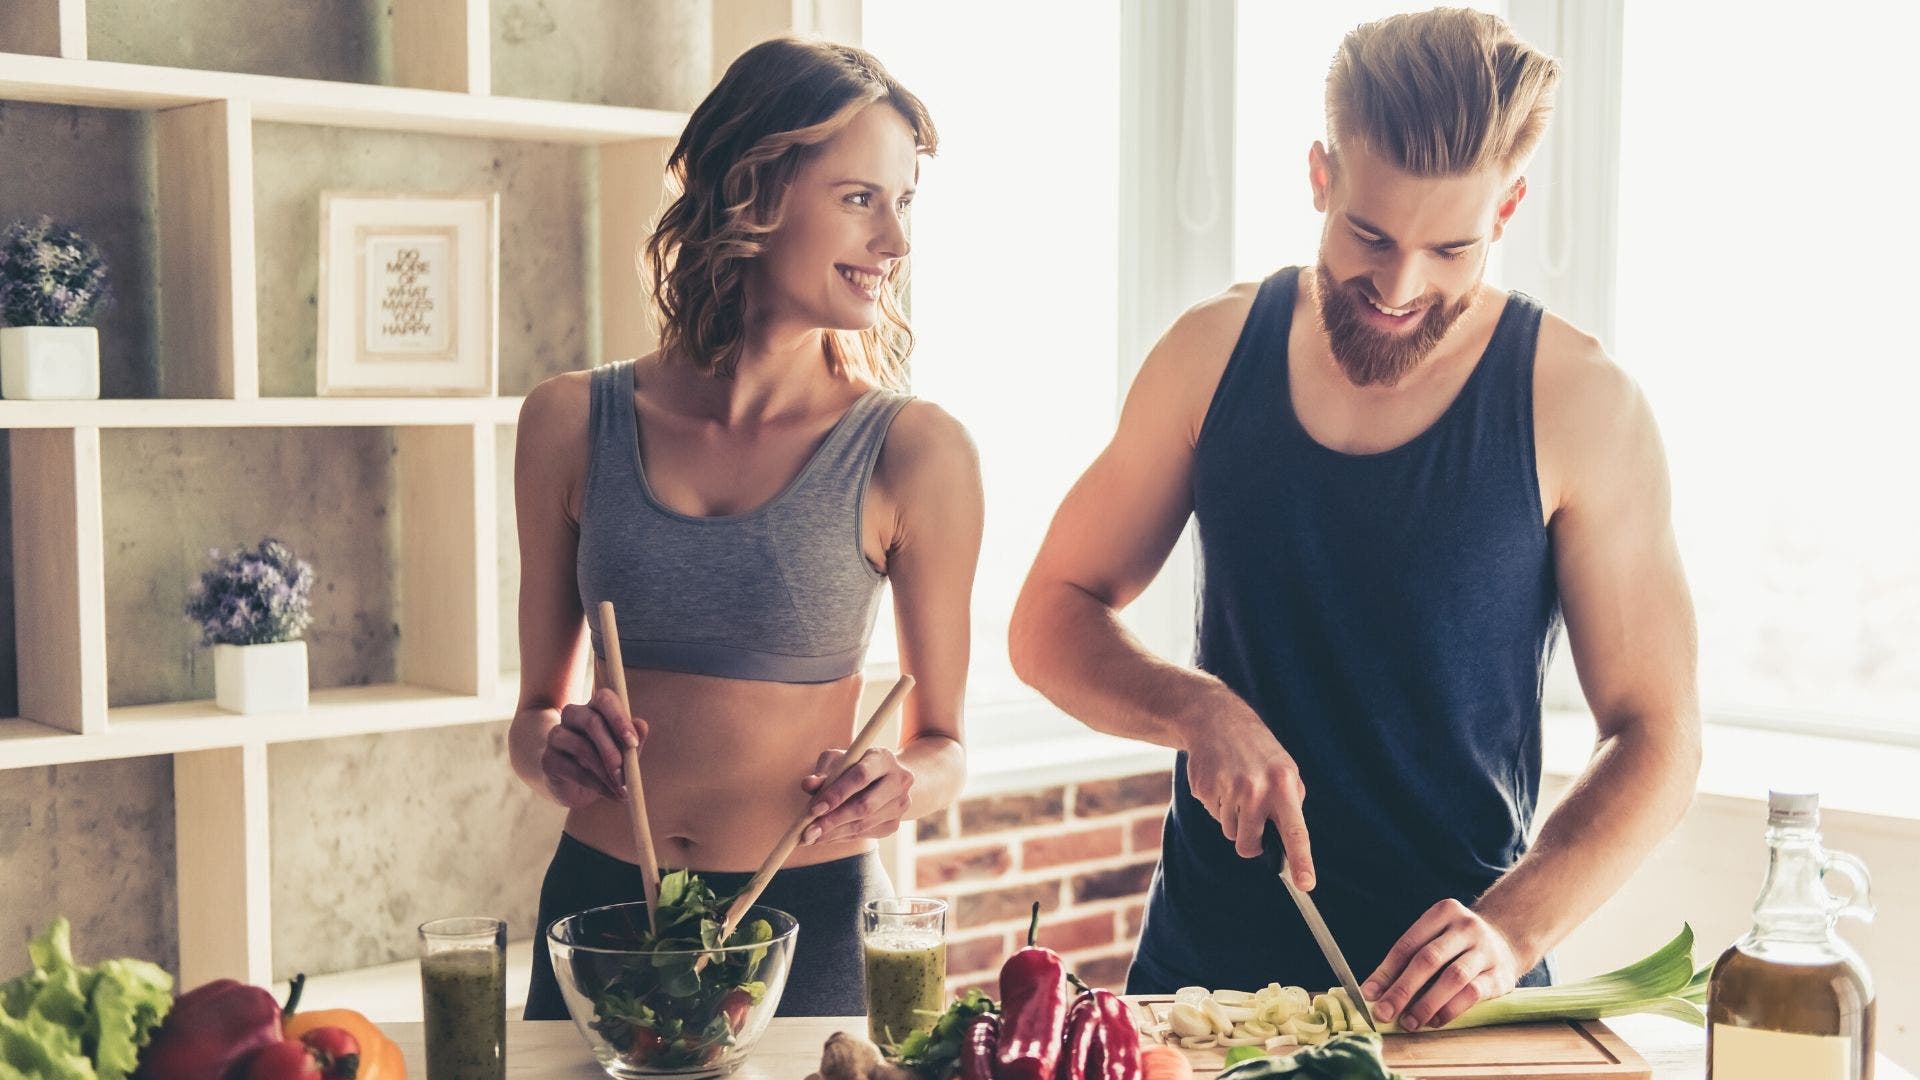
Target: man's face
1401,257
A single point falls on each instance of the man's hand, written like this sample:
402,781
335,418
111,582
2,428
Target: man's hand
1245,778
1452,958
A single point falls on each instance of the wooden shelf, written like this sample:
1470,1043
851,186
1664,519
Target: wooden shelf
108,85
446,487
187,726
259,412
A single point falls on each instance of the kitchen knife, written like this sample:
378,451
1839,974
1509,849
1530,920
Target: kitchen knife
1275,856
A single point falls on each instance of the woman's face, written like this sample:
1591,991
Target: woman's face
843,226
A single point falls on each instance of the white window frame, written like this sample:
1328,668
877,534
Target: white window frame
1573,198
1176,135
1573,183
1176,223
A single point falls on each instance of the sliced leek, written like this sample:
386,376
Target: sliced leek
1278,1016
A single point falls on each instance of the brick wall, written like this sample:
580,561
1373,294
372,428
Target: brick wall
1085,851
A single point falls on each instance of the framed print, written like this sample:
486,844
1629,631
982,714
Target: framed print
409,294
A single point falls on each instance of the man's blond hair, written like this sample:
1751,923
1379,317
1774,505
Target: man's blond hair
1445,92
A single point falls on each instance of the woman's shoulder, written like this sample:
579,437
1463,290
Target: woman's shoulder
925,434
557,407
555,419
928,454
565,401
557,395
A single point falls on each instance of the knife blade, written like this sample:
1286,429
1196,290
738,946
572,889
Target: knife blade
1275,855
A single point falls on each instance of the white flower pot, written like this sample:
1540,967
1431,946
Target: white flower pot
261,678
49,363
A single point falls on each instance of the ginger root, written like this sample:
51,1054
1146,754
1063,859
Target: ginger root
850,1057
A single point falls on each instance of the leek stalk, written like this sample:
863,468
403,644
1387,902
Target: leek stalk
1661,983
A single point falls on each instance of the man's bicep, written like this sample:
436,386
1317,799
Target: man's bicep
1630,619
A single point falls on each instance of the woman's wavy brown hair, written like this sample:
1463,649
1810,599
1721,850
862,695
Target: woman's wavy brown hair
778,103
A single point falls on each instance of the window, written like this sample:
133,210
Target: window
1766,288
1782,420
1014,294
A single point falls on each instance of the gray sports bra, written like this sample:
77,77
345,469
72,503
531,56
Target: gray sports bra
780,593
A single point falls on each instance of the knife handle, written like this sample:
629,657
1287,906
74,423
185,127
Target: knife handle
1272,852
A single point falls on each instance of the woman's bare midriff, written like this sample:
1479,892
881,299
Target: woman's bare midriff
722,768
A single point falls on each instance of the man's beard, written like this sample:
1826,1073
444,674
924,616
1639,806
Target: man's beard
1370,357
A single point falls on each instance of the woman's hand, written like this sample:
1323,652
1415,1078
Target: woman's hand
582,759
867,801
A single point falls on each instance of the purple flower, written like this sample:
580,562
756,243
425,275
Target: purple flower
49,275
252,597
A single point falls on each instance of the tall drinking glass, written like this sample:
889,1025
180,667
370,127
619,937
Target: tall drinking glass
905,942
463,986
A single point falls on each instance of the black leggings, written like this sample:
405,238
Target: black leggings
827,976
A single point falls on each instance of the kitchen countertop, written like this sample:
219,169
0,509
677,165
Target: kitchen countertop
791,1049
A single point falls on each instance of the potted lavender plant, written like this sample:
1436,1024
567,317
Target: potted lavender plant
252,607
52,281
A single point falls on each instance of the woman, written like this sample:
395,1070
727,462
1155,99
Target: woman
741,494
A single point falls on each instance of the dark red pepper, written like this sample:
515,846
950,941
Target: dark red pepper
328,1053
1033,1010
978,1046
284,1061
211,1031
1081,1056
1119,1037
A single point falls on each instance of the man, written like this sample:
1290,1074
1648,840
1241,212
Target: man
1404,478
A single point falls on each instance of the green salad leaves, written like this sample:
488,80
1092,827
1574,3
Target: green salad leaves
658,1010
60,1021
935,1051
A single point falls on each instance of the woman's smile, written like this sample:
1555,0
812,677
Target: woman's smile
865,282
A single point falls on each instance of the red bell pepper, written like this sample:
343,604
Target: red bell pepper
1081,1056
977,1048
1119,1037
321,1054
1033,1010
211,1032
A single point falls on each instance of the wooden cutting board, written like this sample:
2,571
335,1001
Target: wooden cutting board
1561,1050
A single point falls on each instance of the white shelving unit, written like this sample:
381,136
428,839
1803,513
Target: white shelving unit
183,727
445,484
258,412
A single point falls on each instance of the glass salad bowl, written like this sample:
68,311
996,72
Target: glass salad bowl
659,1011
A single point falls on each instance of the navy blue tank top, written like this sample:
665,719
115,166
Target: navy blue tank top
1390,616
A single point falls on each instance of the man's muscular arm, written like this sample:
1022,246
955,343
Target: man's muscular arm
1109,538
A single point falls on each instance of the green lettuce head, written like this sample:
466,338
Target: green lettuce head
60,1021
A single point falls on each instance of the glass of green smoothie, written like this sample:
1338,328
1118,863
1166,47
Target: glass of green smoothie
463,986
905,941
